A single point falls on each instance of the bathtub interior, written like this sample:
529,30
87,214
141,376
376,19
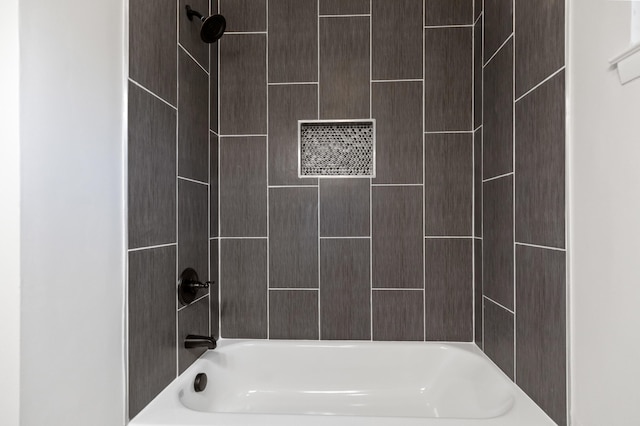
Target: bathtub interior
349,379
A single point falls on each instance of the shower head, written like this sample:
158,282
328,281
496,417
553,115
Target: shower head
212,27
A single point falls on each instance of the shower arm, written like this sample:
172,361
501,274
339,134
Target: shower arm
191,13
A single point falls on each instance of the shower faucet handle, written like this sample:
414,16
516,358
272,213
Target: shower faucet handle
189,284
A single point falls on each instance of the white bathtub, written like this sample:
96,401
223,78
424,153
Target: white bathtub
302,383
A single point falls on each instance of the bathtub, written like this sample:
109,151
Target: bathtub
303,383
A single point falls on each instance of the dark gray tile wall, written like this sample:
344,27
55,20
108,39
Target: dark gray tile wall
497,236
498,336
448,189
540,160
189,31
152,47
244,15
540,328
344,7
193,120
448,293
242,84
397,108
398,315
521,133
448,12
540,41
345,69
172,191
243,186
293,41
497,127
345,297
293,314
396,39
335,239
152,324
448,86
243,288
396,214
288,104
151,169
344,207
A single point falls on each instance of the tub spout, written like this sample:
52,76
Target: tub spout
193,341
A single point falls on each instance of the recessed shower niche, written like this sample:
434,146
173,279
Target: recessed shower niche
337,148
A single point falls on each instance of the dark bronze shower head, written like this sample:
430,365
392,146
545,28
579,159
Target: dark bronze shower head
212,27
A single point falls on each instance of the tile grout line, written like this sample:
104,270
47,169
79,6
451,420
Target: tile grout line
497,177
482,15
318,205
151,247
294,83
551,76
209,181
177,349
424,183
473,180
219,209
371,179
430,27
513,142
540,246
499,304
499,49
268,301
192,180
184,49
135,83
182,308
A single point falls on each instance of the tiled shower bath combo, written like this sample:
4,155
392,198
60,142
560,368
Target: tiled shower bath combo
459,237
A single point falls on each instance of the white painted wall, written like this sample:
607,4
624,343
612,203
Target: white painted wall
73,249
604,130
9,214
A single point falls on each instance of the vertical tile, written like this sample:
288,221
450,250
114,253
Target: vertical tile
477,74
448,289
498,240
397,237
345,289
293,314
448,12
344,207
398,315
192,319
448,184
344,67
396,39
477,296
293,237
244,15
541,328
287,105
152,324
193,120
540,165
190,30
193,244
540,41
498,24
243,187
243,288
498,336
344,7
214,290
447,85
214,97
477,8
498,113
151,170
477,183
397,108
243,84
214,187
152,60
293,41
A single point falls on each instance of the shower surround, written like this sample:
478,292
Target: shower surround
396,257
